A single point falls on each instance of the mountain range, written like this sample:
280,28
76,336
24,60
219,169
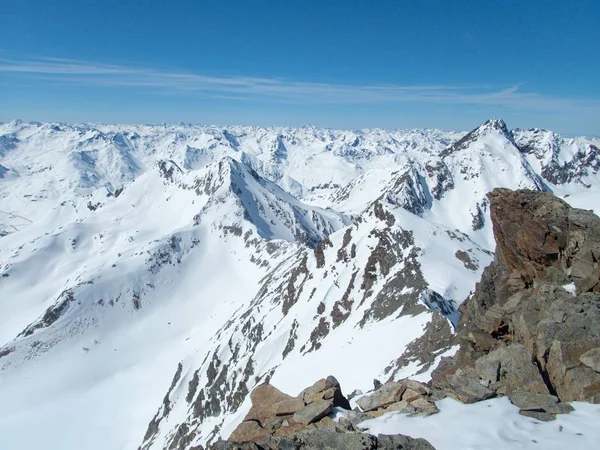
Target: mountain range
152,275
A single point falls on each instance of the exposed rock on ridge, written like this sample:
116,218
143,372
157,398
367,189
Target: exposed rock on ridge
532,329
279,421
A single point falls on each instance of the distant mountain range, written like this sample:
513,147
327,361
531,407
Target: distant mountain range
152,276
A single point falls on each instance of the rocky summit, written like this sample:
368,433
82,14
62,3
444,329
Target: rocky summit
531,330
278,421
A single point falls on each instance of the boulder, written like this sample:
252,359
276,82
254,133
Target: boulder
357,417
467,390
313,412
423,407
591,358
325,389
529,400
539,403
389,393
249,431
266,400
288,407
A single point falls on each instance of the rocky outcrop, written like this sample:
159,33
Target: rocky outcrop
326,439
279,421
406,396
531,330
274,413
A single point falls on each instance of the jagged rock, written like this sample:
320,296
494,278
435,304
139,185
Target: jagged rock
424,407
386,395
356,417
279,421
415,386
522,330
249,431
267,401
467,390
288,407
402,407
354,393
405,396
346,424
481,340
313,412
528,400
327,389
410,395
591,359
325,439
510,368
399,441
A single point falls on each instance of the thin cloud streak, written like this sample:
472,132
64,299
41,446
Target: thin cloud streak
104,75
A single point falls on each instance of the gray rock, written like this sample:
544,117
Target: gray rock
356,417
560,408
591,358
512,367
531,401
313,412
399,441
249,431
226,445
402,407
467,390
320,385
386,395
424,407
346,424
325,388
289,406
355,393
539,415
324,439
416,386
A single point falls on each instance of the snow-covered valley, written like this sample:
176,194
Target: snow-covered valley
151,276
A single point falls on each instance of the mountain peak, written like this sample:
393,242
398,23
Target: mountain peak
494,124
491,126
275,213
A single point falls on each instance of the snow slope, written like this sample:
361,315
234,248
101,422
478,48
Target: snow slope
151,276
494,424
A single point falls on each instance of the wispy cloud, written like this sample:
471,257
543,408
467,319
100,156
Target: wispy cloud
240,87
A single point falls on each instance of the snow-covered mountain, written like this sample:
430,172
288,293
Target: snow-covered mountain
151,276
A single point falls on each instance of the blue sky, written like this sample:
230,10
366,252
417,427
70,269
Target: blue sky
341,64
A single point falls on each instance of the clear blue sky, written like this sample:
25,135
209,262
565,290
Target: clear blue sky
344,64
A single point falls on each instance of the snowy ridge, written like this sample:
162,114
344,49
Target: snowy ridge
321,310
275,213
194,261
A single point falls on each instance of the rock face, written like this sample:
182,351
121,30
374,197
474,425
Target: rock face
279,421
531,330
